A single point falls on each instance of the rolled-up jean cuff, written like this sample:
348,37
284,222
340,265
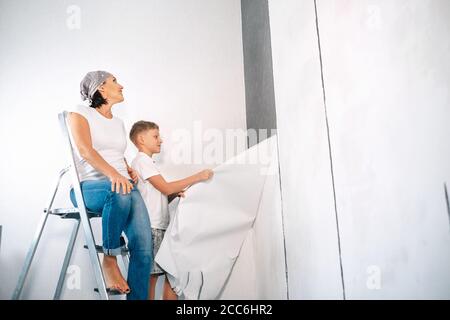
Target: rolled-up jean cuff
113,252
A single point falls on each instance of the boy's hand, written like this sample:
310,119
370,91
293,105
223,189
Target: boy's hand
205,174
175,195
133,174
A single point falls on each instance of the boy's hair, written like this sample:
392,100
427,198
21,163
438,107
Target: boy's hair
140,127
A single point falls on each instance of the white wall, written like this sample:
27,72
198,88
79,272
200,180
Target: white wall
311,237
387,80
179,61
386,75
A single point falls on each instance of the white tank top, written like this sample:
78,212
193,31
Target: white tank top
109,139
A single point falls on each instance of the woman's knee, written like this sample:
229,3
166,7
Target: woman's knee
137,199
140,239
138,229
120,200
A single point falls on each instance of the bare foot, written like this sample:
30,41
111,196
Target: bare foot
168,293
113,277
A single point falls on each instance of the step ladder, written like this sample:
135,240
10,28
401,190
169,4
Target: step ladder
82,217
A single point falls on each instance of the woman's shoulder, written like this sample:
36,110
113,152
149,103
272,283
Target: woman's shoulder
83,110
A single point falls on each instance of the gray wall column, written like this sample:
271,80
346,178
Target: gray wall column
259,91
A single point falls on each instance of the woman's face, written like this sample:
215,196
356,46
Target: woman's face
111,90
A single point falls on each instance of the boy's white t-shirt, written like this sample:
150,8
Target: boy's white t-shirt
156,202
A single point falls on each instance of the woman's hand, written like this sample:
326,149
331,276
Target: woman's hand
118,181
133,174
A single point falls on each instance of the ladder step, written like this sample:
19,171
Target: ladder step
111,292
98,248
124,251
72,213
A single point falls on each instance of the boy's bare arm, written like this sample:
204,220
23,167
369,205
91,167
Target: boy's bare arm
169,188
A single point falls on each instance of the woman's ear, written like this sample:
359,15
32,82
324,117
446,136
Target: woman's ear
102,91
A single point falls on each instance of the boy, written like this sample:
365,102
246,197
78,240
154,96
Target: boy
155,190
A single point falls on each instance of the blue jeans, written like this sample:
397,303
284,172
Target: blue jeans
128,213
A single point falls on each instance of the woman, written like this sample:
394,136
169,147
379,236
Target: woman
107,183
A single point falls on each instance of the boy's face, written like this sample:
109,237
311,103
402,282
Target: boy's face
152,140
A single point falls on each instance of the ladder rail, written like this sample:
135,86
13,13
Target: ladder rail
69,251
35,242
82,219
86,225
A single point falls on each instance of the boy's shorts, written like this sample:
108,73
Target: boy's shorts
157,237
